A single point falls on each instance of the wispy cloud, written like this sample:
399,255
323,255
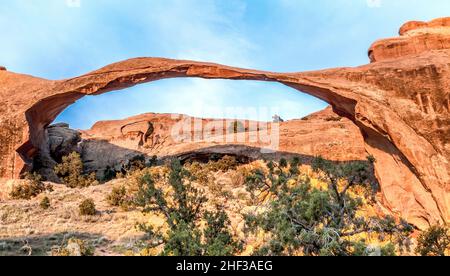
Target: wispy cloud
203,30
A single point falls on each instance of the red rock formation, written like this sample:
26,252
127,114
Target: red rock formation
418,25
400,102
321,134
415,37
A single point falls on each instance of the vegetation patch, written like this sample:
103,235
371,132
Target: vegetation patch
71,172
434,242
119,197
188,230
303,219
87,208
45,203
29,189
224,208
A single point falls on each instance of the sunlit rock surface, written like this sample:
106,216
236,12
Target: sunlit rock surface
400,102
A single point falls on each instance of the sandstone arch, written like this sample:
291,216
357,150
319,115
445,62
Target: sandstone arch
400,102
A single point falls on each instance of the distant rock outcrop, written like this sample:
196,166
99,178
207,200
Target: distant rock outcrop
109,143
416,37
400,102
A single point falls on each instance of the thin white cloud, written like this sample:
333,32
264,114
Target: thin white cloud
201,30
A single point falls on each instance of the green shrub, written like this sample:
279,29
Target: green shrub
303,219
153,161
71,172
87,208
31,188
371,159
225,164
45,203
434,242
293,166
283,163
295,162
118,196
199,173
136,163
183,213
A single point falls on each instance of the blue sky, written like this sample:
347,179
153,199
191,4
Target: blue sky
56,40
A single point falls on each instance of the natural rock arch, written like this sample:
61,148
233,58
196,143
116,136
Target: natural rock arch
400,102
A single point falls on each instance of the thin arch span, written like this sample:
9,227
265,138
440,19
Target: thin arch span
133,72
349,90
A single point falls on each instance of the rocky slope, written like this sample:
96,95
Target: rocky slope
400,102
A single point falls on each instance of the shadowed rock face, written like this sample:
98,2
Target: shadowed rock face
112,143
400,102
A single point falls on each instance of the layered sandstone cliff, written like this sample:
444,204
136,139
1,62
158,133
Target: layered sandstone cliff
400,102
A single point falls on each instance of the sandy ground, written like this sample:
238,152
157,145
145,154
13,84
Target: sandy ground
112,231
24,224
25,228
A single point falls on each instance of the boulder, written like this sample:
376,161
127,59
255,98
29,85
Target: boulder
62,141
